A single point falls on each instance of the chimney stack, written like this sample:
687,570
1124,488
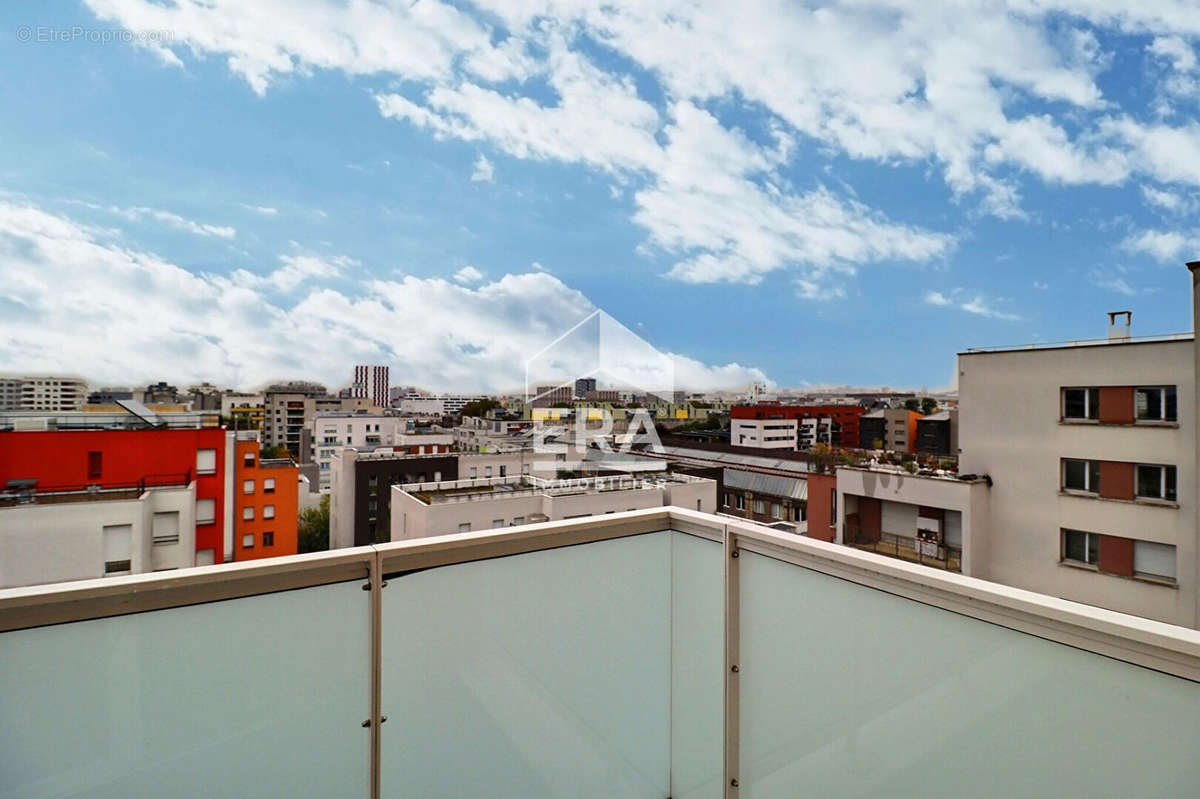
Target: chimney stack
1118,331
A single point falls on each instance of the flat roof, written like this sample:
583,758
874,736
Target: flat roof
1087,342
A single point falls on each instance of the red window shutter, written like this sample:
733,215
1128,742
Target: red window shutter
1116,555
1116,480
1116,404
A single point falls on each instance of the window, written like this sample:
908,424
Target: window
799,513
269,539
166,528
525,468
248,460
465,527
760,506
1156,482
248,541
1081,403
776,510
247,486
206,461
95,460
725,500
474,472
373,481
118,548
518,520
498,523
1154,560
504,471
487,471
269,485
248,514
740,502
1081,547
206,511
1157,404
1081,475
832,507
268,511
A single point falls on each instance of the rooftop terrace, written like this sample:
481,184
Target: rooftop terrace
657,653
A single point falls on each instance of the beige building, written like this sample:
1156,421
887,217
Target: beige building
42,394
460,506
1091,448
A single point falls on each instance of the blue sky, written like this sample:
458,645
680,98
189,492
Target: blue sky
240,192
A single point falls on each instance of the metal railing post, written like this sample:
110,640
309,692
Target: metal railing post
375,586
732,665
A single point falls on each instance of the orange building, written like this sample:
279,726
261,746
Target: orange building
265,502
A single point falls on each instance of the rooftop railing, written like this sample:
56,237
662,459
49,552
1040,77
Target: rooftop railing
644,654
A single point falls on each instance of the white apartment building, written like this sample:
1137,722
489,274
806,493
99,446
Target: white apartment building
332,431
51,537
814,430
46,394
459,506
765,433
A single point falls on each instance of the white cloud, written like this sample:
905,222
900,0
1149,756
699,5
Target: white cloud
1163,245
65,281
468,274
971,302
1176,50
265,210
484,172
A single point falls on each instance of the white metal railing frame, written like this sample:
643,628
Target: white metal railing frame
1155,645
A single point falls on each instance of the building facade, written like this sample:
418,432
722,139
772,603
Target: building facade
894,429
459,506
266,502
103,459
835,425
42,394
1092,450
371,382
359,495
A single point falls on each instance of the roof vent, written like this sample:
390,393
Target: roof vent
1119,323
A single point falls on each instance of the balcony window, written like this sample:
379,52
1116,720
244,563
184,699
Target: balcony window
247,486
1157,404
269,485
1156,482
725,499
1081,547
1080,475
269,538
95,461
248,460
740,502
1081,403
776,510
206,461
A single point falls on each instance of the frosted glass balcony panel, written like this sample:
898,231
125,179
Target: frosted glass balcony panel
545,674
256,697
847,691
697,668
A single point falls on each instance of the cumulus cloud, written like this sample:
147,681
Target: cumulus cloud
468,274
69,289
970,301
1163,245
